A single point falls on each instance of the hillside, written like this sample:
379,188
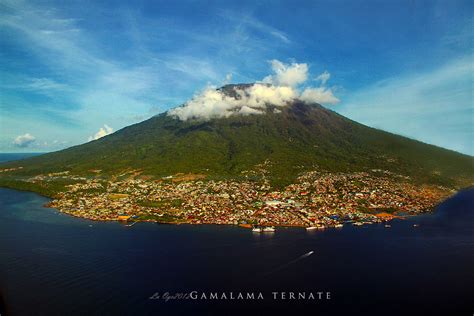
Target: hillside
297,138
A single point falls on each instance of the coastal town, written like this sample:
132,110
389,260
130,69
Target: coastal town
316,200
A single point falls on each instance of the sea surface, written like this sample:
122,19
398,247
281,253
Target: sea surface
55,264
4,157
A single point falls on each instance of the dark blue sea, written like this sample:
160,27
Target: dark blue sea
54,264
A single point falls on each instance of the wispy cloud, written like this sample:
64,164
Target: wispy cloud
45,84
95,81
324,77
49,35
89,82
252,22
434,106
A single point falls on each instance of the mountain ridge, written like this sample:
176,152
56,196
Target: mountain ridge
299,138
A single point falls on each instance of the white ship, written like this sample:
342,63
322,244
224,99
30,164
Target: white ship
338,225
268,229
311,228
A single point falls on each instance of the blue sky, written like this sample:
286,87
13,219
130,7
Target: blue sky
73,71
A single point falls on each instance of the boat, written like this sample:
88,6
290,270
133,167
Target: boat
388,226
311,228
268,229
358,224
415,225
257,230
338,225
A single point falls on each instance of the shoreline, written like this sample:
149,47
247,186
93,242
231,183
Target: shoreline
400,217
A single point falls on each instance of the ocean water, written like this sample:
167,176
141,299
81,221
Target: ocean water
54,264
4,157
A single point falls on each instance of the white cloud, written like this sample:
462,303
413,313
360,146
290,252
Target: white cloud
287,74
319,95
209,104
324,77
245,110
24,140
259,95
212,103
103,131
277,90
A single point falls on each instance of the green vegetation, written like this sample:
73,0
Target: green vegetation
161,204
390,210
302,137
46,188
165,218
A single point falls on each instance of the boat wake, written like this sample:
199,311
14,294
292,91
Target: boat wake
306,255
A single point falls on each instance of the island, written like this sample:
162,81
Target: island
293,163
316,199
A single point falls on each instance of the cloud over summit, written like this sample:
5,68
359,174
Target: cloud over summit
290,75
277,89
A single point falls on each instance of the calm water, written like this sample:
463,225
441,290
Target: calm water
16,156
53,264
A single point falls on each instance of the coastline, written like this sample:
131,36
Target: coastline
401,217
75,246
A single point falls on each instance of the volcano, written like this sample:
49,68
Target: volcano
288,140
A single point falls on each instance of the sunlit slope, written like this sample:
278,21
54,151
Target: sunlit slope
301,137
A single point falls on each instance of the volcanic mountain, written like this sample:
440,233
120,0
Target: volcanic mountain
289,139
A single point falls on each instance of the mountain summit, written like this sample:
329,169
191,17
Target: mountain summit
288,138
